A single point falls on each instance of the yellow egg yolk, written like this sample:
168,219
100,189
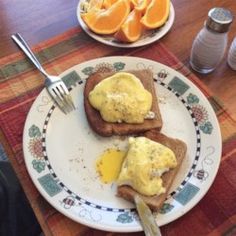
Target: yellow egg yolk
108,165
121,98
144,165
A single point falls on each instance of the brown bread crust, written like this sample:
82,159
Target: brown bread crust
104,128
180,149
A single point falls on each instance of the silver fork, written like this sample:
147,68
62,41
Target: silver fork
54,84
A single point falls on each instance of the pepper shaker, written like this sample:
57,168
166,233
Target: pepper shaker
210,43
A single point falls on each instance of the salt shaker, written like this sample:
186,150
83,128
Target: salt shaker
232,55
210,43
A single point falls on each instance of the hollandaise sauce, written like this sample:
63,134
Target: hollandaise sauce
121,98
144,165
108,165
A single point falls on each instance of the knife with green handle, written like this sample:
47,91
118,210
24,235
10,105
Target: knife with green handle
148,221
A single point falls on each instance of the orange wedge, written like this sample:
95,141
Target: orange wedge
107,21
131,30
108,3
140,5
156,14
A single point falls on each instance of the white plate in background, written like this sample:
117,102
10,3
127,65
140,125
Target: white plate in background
148,37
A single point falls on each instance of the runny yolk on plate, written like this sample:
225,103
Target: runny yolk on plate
108,165
121,98
144,165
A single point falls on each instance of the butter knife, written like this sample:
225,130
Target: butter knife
148,221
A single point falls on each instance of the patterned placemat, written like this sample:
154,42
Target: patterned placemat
20,83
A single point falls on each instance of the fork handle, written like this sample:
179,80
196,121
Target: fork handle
18,39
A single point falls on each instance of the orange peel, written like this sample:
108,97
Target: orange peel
131,29
156,14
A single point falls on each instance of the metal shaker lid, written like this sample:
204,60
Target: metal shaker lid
219,19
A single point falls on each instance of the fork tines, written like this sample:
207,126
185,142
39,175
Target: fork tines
62,97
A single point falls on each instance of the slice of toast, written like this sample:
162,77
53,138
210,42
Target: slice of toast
155,202
104,128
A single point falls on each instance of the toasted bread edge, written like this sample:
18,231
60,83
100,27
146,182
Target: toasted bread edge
104,128
156,202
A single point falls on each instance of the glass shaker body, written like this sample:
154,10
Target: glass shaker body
210,43
232,55
208,50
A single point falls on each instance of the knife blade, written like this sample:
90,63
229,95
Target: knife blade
148,221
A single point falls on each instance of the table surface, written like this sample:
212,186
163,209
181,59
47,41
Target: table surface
38,21
41,20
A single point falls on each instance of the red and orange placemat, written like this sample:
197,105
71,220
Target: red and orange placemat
20,84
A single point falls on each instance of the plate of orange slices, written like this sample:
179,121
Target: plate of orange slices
126,23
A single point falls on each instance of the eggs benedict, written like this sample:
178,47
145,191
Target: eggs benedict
121,98
154,193
144,165
121,103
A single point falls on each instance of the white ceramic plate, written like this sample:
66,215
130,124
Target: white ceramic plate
148,37
60,150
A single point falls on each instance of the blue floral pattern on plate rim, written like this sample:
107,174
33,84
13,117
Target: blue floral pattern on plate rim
69,200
